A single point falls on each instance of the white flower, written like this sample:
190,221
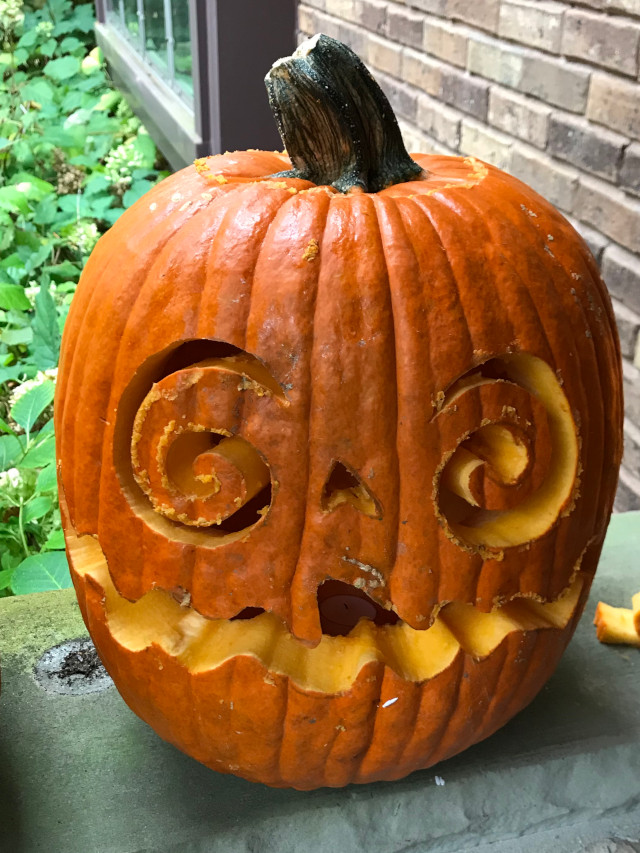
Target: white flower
11,14
11,479
83,235
120,163
45,28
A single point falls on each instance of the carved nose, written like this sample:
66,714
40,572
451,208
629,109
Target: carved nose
344,485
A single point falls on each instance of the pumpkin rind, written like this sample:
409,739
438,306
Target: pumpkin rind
372,317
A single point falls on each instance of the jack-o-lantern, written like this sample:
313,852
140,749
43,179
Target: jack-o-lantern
338,440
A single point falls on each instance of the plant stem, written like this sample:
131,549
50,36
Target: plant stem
23,538
335,121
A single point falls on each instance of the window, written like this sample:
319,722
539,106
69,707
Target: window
193,70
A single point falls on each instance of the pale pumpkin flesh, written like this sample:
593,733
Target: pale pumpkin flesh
330,667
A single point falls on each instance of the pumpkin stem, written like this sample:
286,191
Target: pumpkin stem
335,121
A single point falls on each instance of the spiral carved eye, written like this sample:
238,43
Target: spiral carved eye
185,452
507,480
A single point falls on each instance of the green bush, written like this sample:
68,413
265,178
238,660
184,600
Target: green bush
72,158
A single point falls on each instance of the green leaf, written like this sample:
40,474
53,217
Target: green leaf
33,187
21,55
5,428
28,408
62,68
55,542
47,479
46,210
10,451
36,508
16,337
12,296
41,572
13,200
97,183
70,44
6,576
59,137
16,372
46,332
28,39
38,257
40,455
48,48
72,101
136,191
146,146
63,271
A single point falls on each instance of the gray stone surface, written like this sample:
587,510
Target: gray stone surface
81,774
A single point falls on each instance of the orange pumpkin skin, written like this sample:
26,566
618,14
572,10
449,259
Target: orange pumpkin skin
366,308
338,444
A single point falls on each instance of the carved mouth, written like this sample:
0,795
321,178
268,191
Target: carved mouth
202,644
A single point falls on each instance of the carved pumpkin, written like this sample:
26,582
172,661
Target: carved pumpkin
338,441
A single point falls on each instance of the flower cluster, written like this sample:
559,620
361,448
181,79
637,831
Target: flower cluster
83,235
120,164
11,15
70,178
45,29
16,486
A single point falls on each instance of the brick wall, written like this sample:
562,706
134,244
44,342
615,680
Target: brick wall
548,90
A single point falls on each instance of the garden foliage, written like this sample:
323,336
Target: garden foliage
72,158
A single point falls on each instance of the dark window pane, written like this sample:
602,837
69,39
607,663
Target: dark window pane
182,45
131,17
154,30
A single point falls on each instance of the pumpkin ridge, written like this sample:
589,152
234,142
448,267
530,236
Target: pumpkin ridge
394,511
554,291
427,206
359,211
89,333
314,265
501,284
438,734
360,759
387,210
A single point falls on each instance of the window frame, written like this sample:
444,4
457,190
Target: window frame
233,45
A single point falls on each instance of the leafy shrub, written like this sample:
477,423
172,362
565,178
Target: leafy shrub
72,158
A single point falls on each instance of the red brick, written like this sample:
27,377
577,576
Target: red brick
546,77
586,145
532,22
384,55
446,41
482,14
610,211
422,71
621,271
372,14
405,26
601,40
555,182
485,143
439,121
615,103
518,115
465,92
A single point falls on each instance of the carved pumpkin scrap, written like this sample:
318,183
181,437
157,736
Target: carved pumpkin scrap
338,439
